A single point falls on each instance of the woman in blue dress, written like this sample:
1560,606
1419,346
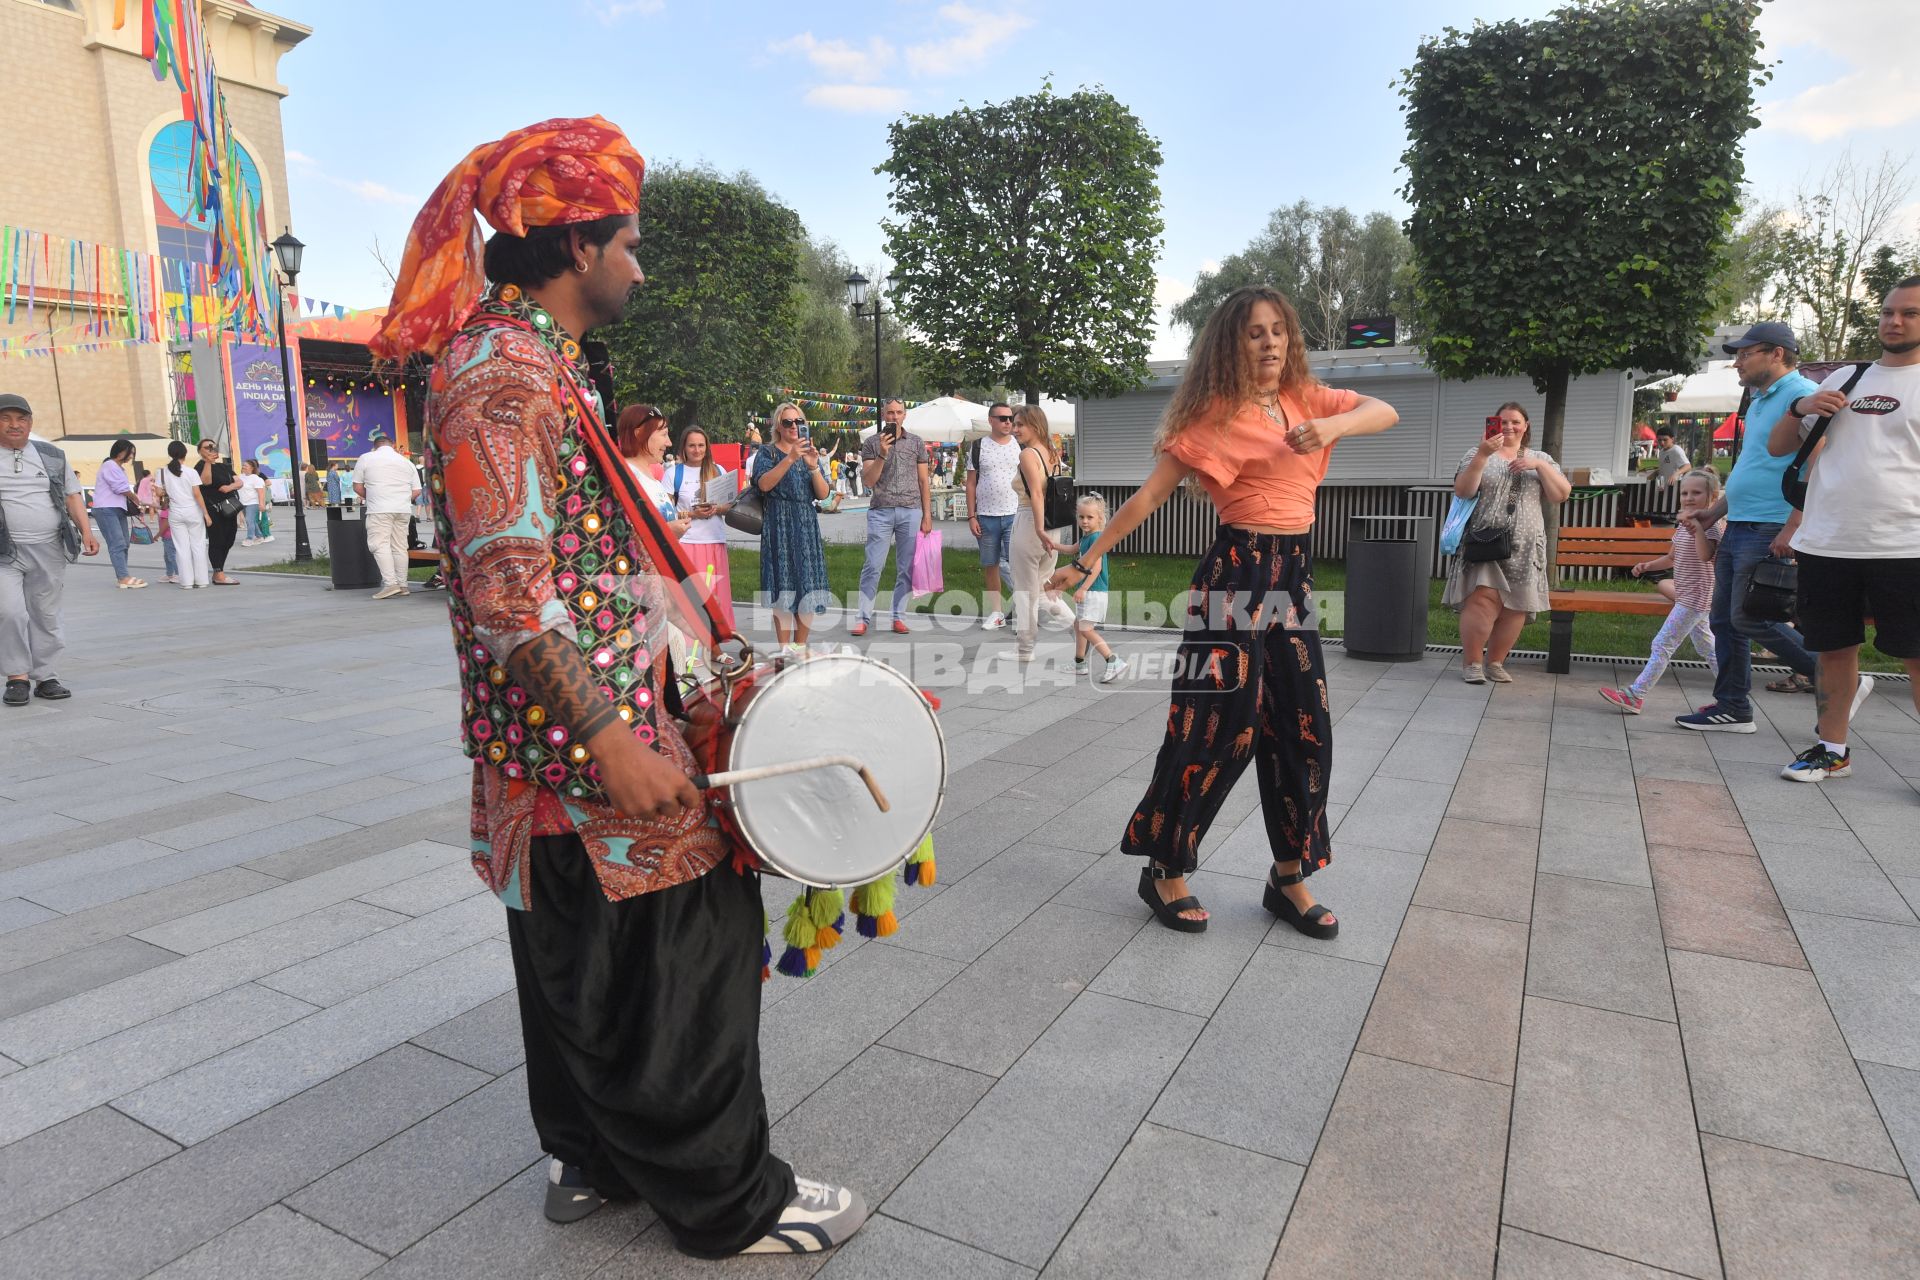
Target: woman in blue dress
793,565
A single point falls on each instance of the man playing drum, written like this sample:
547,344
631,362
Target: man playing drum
636,946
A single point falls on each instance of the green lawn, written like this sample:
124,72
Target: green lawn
321,567
1146,589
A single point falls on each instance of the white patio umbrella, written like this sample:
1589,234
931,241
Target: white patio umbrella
945,419
1715,389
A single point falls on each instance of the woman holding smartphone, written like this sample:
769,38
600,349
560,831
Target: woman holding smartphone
793,564
1496,597
1254,428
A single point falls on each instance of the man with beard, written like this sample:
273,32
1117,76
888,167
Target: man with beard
636,945
1859,544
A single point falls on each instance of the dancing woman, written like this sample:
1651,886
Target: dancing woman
1255,429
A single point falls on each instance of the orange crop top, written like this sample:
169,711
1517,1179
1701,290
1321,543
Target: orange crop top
1251,473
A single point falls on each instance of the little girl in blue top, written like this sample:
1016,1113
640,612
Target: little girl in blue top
1090,598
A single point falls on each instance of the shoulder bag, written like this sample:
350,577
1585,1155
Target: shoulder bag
1481,545
747,514
1793,481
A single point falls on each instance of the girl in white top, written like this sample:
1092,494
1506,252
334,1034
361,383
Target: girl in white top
705,541
187,518
253,492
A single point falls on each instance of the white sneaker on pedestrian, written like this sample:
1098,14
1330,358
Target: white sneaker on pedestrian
1860,696
1116,667
996,621
268,538
818,1217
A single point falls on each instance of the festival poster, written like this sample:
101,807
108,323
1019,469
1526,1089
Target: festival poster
256,398
343,411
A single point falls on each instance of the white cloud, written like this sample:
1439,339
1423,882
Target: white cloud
1876,92
840,60
1878,99
302,159
856,97
365,188
981,32
611,12
1169,339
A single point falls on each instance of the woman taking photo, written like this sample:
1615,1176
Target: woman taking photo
1255,429
793,565
1495,597
705,541
114,504
219,488
1032,555
188,518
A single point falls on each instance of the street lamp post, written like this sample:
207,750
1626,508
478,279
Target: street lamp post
857,295
287,251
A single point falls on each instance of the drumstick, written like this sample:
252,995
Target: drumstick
709,781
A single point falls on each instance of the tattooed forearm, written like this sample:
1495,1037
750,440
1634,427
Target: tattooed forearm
551,668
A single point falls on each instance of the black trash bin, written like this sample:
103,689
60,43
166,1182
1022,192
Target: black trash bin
352,562
1386,605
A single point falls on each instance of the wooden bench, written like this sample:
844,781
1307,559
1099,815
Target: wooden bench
1608,548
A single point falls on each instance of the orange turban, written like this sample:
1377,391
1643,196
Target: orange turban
545,175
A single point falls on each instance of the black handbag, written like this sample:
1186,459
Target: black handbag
226,506
1773,591
1793,481
1483,545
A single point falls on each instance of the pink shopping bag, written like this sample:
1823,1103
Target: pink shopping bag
927,570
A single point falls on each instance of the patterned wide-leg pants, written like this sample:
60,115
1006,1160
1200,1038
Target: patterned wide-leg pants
1250,687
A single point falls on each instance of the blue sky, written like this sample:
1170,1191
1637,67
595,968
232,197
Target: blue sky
1255,106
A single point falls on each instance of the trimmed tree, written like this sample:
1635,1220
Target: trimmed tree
1573,182
1024,241
718,320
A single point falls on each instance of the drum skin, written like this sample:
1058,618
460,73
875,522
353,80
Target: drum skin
822,827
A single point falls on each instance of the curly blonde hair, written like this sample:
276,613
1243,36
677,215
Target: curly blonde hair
1218,371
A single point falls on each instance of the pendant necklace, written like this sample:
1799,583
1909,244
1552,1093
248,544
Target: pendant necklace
1276,414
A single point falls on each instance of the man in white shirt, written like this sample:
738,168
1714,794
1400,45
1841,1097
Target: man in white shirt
1858,545
387,485
992,464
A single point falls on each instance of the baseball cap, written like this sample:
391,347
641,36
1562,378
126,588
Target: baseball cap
9,400
1768,333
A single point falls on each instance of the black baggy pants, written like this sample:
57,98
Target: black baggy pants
1250,686
642,1025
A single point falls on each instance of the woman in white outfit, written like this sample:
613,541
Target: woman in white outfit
1033,557
187,518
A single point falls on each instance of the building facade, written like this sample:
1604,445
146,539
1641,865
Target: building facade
95,152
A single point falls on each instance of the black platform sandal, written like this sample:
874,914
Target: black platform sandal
1168,913
1316,921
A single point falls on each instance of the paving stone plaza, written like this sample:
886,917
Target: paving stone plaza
1609,999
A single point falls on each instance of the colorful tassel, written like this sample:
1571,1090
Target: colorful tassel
802,935
873,908
921,869
829,936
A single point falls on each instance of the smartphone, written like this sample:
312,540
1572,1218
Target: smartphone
1493,426
806,432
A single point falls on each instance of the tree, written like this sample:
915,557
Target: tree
1573,181
1024,241
717,322
827,342
1836,225
1333,266
1749,289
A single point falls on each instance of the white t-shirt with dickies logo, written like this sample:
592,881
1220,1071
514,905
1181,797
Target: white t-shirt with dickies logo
1863,491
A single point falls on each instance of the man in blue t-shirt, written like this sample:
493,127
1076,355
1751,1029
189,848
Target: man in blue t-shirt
1760,526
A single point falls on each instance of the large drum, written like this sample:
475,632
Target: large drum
833,769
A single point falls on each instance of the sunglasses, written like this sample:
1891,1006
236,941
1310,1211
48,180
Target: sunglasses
793,422
1002,417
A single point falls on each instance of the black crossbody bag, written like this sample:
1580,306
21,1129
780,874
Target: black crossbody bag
1793,481
1480,546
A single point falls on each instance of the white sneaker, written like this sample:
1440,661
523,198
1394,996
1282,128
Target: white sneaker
1860,696
1116,667
996,621
268,538
818,1217
1080,667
